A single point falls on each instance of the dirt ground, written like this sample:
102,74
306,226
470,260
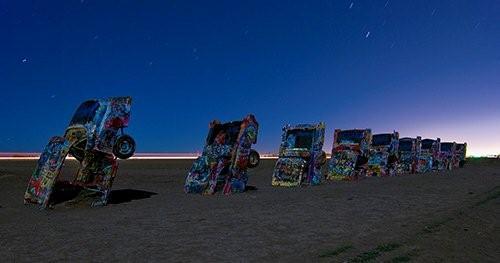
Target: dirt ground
436,217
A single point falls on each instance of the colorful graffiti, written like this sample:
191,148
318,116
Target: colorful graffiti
429,158
460,153
226,157
383,156
448,156
350,153
95,138
409,152
301,156
41,183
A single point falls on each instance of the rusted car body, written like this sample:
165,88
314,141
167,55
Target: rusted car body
350,154
409,152
301,156
447,156
460,153
96,139
383,156
430,156
226,157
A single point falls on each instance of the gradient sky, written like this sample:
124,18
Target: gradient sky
429,68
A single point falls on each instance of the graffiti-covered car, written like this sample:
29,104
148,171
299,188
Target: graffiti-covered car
383,156
447,156
226,157
430,156
409,152
460,153
301,156
350,153
95,137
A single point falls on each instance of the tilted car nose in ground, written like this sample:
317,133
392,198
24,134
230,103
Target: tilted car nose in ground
409,152
383,156
429,157
350,153
95,138
301,155
448,156
226,157
460,153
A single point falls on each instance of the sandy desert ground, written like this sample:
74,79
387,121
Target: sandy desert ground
437,217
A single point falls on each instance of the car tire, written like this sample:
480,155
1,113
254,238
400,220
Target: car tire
124,147
253,159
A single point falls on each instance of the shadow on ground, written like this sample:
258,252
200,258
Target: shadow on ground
128,195
65,192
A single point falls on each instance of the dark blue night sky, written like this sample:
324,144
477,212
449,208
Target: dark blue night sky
429,68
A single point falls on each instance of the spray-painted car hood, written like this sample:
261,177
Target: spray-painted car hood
301,155
349,152
224,163
378,158
289,171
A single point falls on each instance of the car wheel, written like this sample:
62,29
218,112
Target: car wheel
124,147
253,159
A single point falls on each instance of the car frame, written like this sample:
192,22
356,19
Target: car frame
408,156
350,153
461,153
301,156
95,138
226,157
383,157
447,156
430,155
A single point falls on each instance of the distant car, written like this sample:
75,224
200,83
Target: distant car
383,156
448,157
430,156
409,152
301,155
226,157
350,153
95,137
460,153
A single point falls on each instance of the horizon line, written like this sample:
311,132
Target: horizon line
171,155
137,156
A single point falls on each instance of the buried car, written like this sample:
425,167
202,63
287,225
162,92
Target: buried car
409,152
226,157
383,156
447,156
350,153
301,155
460,153
429,158
95,138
